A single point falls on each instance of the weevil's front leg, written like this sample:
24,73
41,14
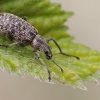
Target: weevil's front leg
38,56
61,52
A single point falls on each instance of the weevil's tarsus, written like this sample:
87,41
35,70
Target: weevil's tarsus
25,18
57,65
38,56
61,52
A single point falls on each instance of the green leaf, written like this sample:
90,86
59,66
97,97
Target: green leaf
49,19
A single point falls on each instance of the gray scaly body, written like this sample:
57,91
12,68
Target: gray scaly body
18,29
23,33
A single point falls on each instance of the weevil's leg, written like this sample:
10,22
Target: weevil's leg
7,34
38,56
61,52
25,18
9,45
15,43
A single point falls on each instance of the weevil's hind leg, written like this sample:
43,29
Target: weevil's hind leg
9,45
38,56
12,44
8,35
61,52
25,18
15,43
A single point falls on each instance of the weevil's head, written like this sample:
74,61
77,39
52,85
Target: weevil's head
40,44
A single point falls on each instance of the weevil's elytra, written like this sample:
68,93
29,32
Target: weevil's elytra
23,33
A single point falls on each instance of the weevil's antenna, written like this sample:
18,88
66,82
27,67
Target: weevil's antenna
61,52
57,65
69,55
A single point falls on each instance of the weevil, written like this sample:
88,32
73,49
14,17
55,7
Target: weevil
23,33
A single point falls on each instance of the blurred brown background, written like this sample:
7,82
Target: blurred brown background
85,26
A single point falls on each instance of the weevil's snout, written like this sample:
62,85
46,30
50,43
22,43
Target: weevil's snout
40,44
48,54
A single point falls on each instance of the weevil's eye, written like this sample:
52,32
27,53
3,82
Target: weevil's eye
46,52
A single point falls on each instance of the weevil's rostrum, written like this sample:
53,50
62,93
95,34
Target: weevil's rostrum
23,33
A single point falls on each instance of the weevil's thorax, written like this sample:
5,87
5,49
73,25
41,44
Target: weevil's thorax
40,44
